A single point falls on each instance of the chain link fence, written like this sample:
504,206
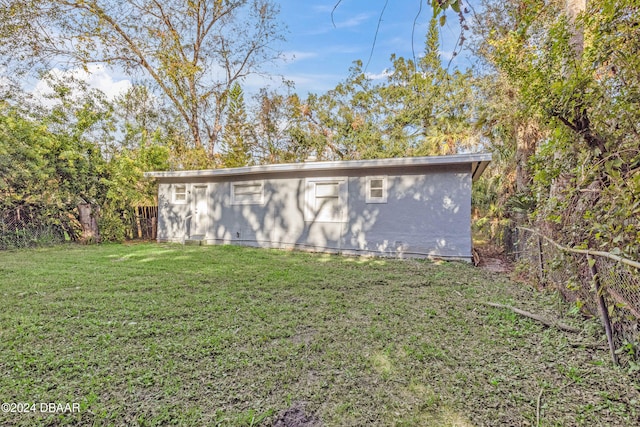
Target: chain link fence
24,228
582,278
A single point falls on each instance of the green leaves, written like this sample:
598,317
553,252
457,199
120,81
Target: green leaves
192,52
420,109
237,138
579,79
45,172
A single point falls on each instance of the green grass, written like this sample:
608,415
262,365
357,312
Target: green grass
154,334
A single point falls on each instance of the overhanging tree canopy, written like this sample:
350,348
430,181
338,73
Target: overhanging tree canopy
193,51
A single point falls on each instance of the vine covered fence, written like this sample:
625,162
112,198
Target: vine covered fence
599,283
24,228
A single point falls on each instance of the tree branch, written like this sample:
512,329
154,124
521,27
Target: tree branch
543,320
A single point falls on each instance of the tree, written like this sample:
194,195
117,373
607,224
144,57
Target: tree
511,129
418,109
57,172
433,105
143,121
277,138
140,117
57,177
126,188
237,137
582,91
344,122
193,51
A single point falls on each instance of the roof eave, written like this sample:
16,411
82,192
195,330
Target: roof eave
478,162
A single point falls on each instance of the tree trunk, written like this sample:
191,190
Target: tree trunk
89,223
573,8
527,136
559,185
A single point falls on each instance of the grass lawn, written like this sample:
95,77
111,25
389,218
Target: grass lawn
151,334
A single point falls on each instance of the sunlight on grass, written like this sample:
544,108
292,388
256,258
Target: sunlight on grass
447,417
381,363
325,257
365,260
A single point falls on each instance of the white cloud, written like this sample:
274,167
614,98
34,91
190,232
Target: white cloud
354,21
379,76
323,7
335,23
296,55
96,77
102,80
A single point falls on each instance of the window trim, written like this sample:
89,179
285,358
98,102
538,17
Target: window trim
260,199
373,199
174,194
310,213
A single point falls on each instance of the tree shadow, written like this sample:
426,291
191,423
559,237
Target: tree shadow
427,213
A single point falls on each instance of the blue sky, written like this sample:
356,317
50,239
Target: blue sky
319,53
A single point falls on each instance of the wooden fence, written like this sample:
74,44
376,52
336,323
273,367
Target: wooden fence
145,223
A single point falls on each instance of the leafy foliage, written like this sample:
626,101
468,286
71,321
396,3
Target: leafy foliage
418,109
55,157
192,52
574,76
48,172
237,137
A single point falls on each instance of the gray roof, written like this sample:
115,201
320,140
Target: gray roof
478,163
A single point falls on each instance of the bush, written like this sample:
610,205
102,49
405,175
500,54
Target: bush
112,226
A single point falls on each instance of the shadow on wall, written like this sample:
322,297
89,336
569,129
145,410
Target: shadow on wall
424,215
174,219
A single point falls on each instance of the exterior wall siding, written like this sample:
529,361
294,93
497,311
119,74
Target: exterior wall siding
427,213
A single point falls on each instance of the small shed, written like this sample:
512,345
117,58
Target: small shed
400,207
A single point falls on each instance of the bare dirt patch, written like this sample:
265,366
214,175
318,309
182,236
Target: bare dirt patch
297,416
492,259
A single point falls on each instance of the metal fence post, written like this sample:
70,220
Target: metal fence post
602,306
540,259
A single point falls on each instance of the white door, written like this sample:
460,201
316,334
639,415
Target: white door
199,219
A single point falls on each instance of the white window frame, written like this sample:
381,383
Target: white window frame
311,213
376,199
259,200
175,193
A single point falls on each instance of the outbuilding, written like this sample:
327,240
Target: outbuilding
400,207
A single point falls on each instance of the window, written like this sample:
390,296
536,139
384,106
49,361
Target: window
327,190
326,200
180,193
247,193
376,189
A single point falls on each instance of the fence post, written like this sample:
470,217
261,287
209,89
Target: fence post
540,259
602,306
138,213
